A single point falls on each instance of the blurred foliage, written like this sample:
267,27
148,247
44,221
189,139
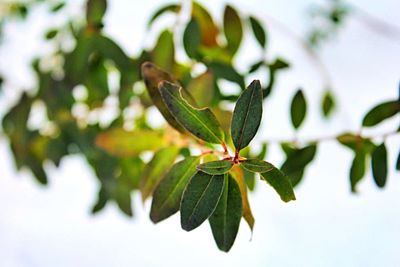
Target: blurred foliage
129,154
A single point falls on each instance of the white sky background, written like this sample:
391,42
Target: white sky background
326,226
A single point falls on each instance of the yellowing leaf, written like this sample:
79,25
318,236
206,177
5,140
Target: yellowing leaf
237,174
156,169
122,143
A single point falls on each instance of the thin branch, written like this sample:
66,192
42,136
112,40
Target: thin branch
376,24
327,138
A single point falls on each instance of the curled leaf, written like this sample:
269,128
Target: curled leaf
200,122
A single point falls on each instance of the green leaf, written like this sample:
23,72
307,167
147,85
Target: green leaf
97,83
357,169
226,71
152,76
122,196
50,34
356,143
122,143
57,7
102,199
202,89
163,53
298,109
95,10
168,194
296,162
216,167
131,170
200,122
257,165
258,31
328,104
76,63
398,162
247,115
273,176
168,8
381,112
225,220
192,39
379,165
155,170
233,29
200,199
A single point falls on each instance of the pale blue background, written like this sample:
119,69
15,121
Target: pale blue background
326,226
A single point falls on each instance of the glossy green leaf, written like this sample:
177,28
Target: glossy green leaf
379,165
225,220
168,8
202,89
258,31
247,115
328,104
273,176
95,10
156,169
216,167
381,112
163,54
200,198
357,169
298,109
122,143
168,194
192,39
200,122
233,29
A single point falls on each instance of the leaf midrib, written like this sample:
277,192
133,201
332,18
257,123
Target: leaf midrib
255,165
200,199
193,114
177,185
245,120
